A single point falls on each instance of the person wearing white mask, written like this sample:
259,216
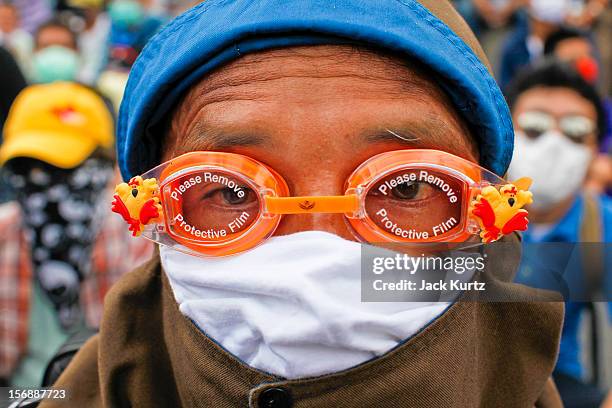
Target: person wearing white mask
264,145
559,119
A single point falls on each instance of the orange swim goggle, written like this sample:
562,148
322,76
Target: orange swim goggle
215,204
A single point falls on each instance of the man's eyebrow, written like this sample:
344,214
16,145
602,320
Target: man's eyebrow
429,132
219,140
390,135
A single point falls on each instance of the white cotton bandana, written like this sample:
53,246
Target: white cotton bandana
292,306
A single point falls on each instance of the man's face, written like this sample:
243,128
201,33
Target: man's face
314,114
54,36
557,103
8,19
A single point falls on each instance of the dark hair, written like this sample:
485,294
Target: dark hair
551,73
562,34
56,23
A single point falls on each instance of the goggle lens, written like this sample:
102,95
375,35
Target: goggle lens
416,204
210,205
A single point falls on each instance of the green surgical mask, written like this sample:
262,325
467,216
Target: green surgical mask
55,63
126,13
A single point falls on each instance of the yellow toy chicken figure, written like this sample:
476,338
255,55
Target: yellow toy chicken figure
500,212
137,202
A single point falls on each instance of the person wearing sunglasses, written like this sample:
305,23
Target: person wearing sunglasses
264,145
560,121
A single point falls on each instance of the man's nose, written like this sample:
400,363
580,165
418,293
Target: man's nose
332,223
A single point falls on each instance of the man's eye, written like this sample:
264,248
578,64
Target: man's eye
226,196
406,191
234,198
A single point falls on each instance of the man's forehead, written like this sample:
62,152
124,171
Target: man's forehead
307,74
218,112
316,62
558,101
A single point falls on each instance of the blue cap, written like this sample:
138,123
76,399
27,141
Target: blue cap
218,31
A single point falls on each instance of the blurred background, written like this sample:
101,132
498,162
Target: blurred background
63,68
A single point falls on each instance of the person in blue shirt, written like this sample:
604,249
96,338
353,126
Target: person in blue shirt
559,121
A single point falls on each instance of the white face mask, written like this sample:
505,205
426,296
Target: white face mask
557,166
292,306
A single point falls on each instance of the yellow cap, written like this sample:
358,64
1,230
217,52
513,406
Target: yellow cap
61,123
86,3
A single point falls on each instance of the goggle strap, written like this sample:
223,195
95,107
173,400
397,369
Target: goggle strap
312,204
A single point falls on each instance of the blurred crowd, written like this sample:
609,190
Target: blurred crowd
64,65
63,69
93,42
